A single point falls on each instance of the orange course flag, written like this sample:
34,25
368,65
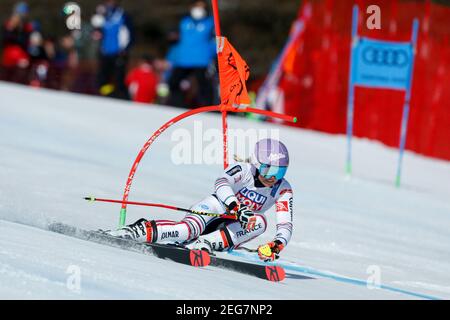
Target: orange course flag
233,73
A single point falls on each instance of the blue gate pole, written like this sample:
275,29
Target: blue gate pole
350,106
406,107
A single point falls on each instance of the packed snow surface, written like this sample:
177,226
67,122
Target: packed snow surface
358,238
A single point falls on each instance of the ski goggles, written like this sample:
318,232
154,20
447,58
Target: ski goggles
268,171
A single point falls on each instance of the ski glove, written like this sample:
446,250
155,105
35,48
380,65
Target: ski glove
245,216
270,251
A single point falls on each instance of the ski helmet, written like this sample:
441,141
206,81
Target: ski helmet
271,158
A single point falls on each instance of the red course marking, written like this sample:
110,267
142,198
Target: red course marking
275,273
199,258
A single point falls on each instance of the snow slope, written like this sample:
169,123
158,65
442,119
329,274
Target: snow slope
56,148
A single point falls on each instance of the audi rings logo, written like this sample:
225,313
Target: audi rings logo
385,57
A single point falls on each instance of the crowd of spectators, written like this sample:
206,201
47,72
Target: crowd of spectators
95,57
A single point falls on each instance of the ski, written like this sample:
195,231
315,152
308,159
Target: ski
196,258
266,272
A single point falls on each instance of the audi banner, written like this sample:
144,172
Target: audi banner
382,64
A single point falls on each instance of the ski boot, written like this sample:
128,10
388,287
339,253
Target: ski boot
141,231
201,244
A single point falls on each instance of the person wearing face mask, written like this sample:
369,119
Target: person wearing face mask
195,51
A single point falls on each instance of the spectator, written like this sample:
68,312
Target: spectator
86,45
16,32
55,65
193,54
171,55
163,67
39,60
142,81
117,38
70,61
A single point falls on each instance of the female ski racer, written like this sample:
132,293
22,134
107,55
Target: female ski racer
246,190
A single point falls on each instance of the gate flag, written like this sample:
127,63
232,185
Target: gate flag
233,73
382,64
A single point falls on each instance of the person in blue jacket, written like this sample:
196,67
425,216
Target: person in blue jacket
117,38
192,55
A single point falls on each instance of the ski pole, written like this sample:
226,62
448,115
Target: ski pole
159,205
